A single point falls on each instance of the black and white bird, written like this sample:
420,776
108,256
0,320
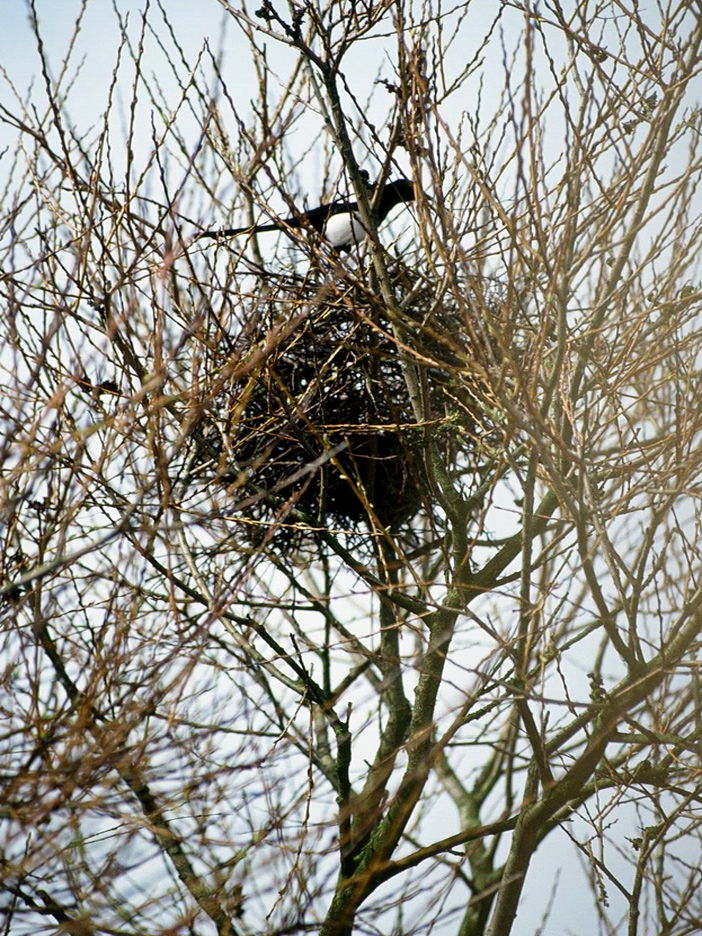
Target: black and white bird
338,222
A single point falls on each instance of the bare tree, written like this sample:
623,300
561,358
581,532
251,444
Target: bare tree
340,588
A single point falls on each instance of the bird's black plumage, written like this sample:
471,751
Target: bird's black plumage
338,221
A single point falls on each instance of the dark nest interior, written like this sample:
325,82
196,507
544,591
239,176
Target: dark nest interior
318,425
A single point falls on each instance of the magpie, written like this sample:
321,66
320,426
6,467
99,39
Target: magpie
338,221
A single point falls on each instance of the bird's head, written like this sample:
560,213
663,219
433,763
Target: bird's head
395,193
401,190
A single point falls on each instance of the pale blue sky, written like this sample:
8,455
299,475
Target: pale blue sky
194,25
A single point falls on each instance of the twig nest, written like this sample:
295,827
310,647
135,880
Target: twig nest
326,421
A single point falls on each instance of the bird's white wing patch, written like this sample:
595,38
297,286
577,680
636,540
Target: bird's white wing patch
344,229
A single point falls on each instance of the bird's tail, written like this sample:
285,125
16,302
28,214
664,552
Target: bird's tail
251,229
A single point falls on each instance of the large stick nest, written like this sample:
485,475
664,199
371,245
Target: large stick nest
324,421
